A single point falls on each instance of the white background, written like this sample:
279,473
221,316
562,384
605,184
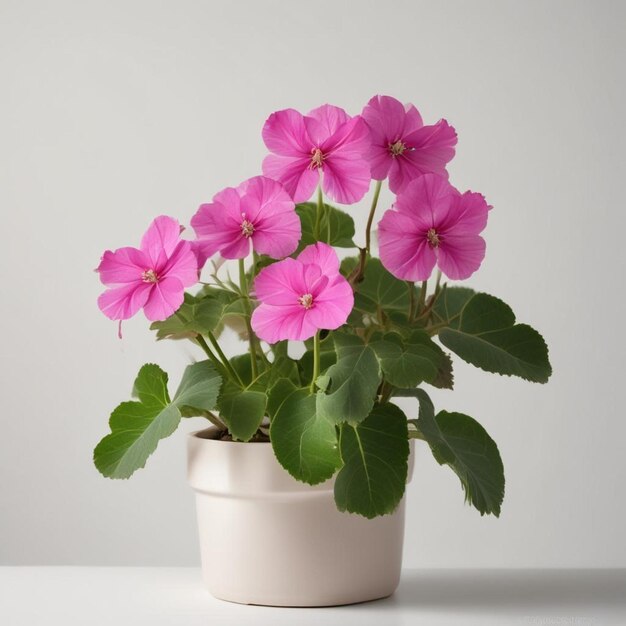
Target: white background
114,112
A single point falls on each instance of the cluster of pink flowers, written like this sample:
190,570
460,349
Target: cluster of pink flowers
430,223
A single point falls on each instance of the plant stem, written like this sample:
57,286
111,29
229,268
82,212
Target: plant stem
422,298
243,284
370,219
225,361
319,212
386,392
203,344
437,282
316,360
215,420
357,274
411,287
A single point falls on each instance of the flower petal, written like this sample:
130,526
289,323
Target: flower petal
432,149
217,224
277,228
165,298
412,121
428,200
163,234
294,174
323,122
277,323
281,283
332,306
322,255
380,160
125,265
351,139
183,265
385,117
285,134
238,249
346,180
123,302
459,257
468,216
404,248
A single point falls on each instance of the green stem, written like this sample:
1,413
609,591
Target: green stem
422,298
215,420
243,284
203,344
357,274
316,360
411,287
386,392
437,282
225,361
370,219
319,212
416,434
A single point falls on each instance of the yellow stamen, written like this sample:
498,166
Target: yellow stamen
306,300
397,148
149,276
317,158
433,238
247,228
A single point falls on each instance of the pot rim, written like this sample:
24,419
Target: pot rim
230,468
212,429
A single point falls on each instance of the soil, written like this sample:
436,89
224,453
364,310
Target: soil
258,437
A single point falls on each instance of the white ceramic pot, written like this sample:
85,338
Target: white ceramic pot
268,539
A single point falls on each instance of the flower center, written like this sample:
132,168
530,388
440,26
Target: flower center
247,228
317,158
306,300
397,148
433,238
149,276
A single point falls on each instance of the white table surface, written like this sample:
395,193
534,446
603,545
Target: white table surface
113,596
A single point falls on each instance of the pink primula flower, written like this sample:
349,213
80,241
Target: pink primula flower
402,147
259,213
433,224
300,296
326,142
153,276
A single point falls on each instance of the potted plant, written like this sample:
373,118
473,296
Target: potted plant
301,474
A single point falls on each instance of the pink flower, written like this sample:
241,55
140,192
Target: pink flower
433,224
402,147
300,296
259,213
327,143
153,276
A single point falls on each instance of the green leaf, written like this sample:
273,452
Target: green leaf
375,463
449,304
460,442
304,442
488,337
445,376
277,394
379,290
336,227
199,387
406,362
242,410
197,315
284,367
137,427
351,384
242,364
